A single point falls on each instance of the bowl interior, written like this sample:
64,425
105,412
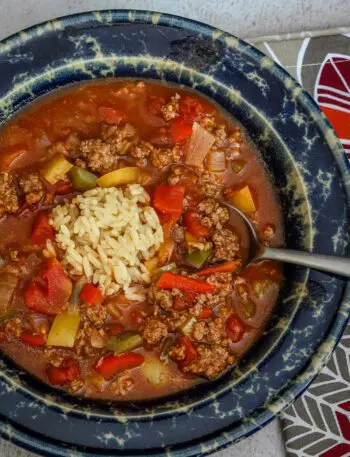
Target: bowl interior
295,206
298,148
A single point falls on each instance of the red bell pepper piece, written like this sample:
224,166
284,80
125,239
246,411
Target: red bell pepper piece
110,115
235,328
171,281
206,313
190,351
194,225
49,291
169,200
227,267
90,295
110,365
32,340
180,130
67,372
41,230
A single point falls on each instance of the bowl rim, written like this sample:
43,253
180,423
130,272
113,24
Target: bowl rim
320,357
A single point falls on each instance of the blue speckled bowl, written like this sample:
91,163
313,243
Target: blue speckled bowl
307,164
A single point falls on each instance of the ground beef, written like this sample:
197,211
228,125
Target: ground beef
141,152
208,122
177,352
55,356
175,321
95,315
178,234
210,331
119,138
211,300
14,326
163,157
8,194
160,297
69,147
154,331
210,184
76,385
234,144
226,245
222,282
170,110
82,344
212,214
211,361
220,135
32,187
121,386
97,156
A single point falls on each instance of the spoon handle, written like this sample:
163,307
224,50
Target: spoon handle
329,263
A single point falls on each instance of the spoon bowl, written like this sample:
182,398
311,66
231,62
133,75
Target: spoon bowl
257,252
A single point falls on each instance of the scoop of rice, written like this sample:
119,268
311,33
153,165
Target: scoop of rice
106,235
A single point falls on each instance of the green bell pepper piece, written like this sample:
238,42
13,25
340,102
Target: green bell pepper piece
197,258
124,342
82,179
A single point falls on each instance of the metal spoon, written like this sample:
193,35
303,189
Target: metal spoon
257,252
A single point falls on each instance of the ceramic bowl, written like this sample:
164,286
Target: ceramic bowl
306,163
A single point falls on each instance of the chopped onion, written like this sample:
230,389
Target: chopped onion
199,145
37,321
216,161
97,340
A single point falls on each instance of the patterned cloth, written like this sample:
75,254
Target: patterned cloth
318,423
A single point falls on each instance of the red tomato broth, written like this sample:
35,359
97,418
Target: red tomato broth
77,110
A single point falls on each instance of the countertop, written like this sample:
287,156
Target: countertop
244,18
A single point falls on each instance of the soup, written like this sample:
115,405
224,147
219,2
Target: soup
123,272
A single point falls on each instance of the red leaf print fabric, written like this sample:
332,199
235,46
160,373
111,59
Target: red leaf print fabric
332,93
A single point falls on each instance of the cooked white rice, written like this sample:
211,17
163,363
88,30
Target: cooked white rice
106,235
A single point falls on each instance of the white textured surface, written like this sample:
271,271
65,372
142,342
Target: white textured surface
245,18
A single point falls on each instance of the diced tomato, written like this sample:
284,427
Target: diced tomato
3,335
49,291
169,200
155,104
227,267
206,313
190,108
235,328
67,372
32,340
110,115
90,295
63,187
110,365
115,329
172,281
194,225
41,230
190,351
184,301
137,317
180,130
